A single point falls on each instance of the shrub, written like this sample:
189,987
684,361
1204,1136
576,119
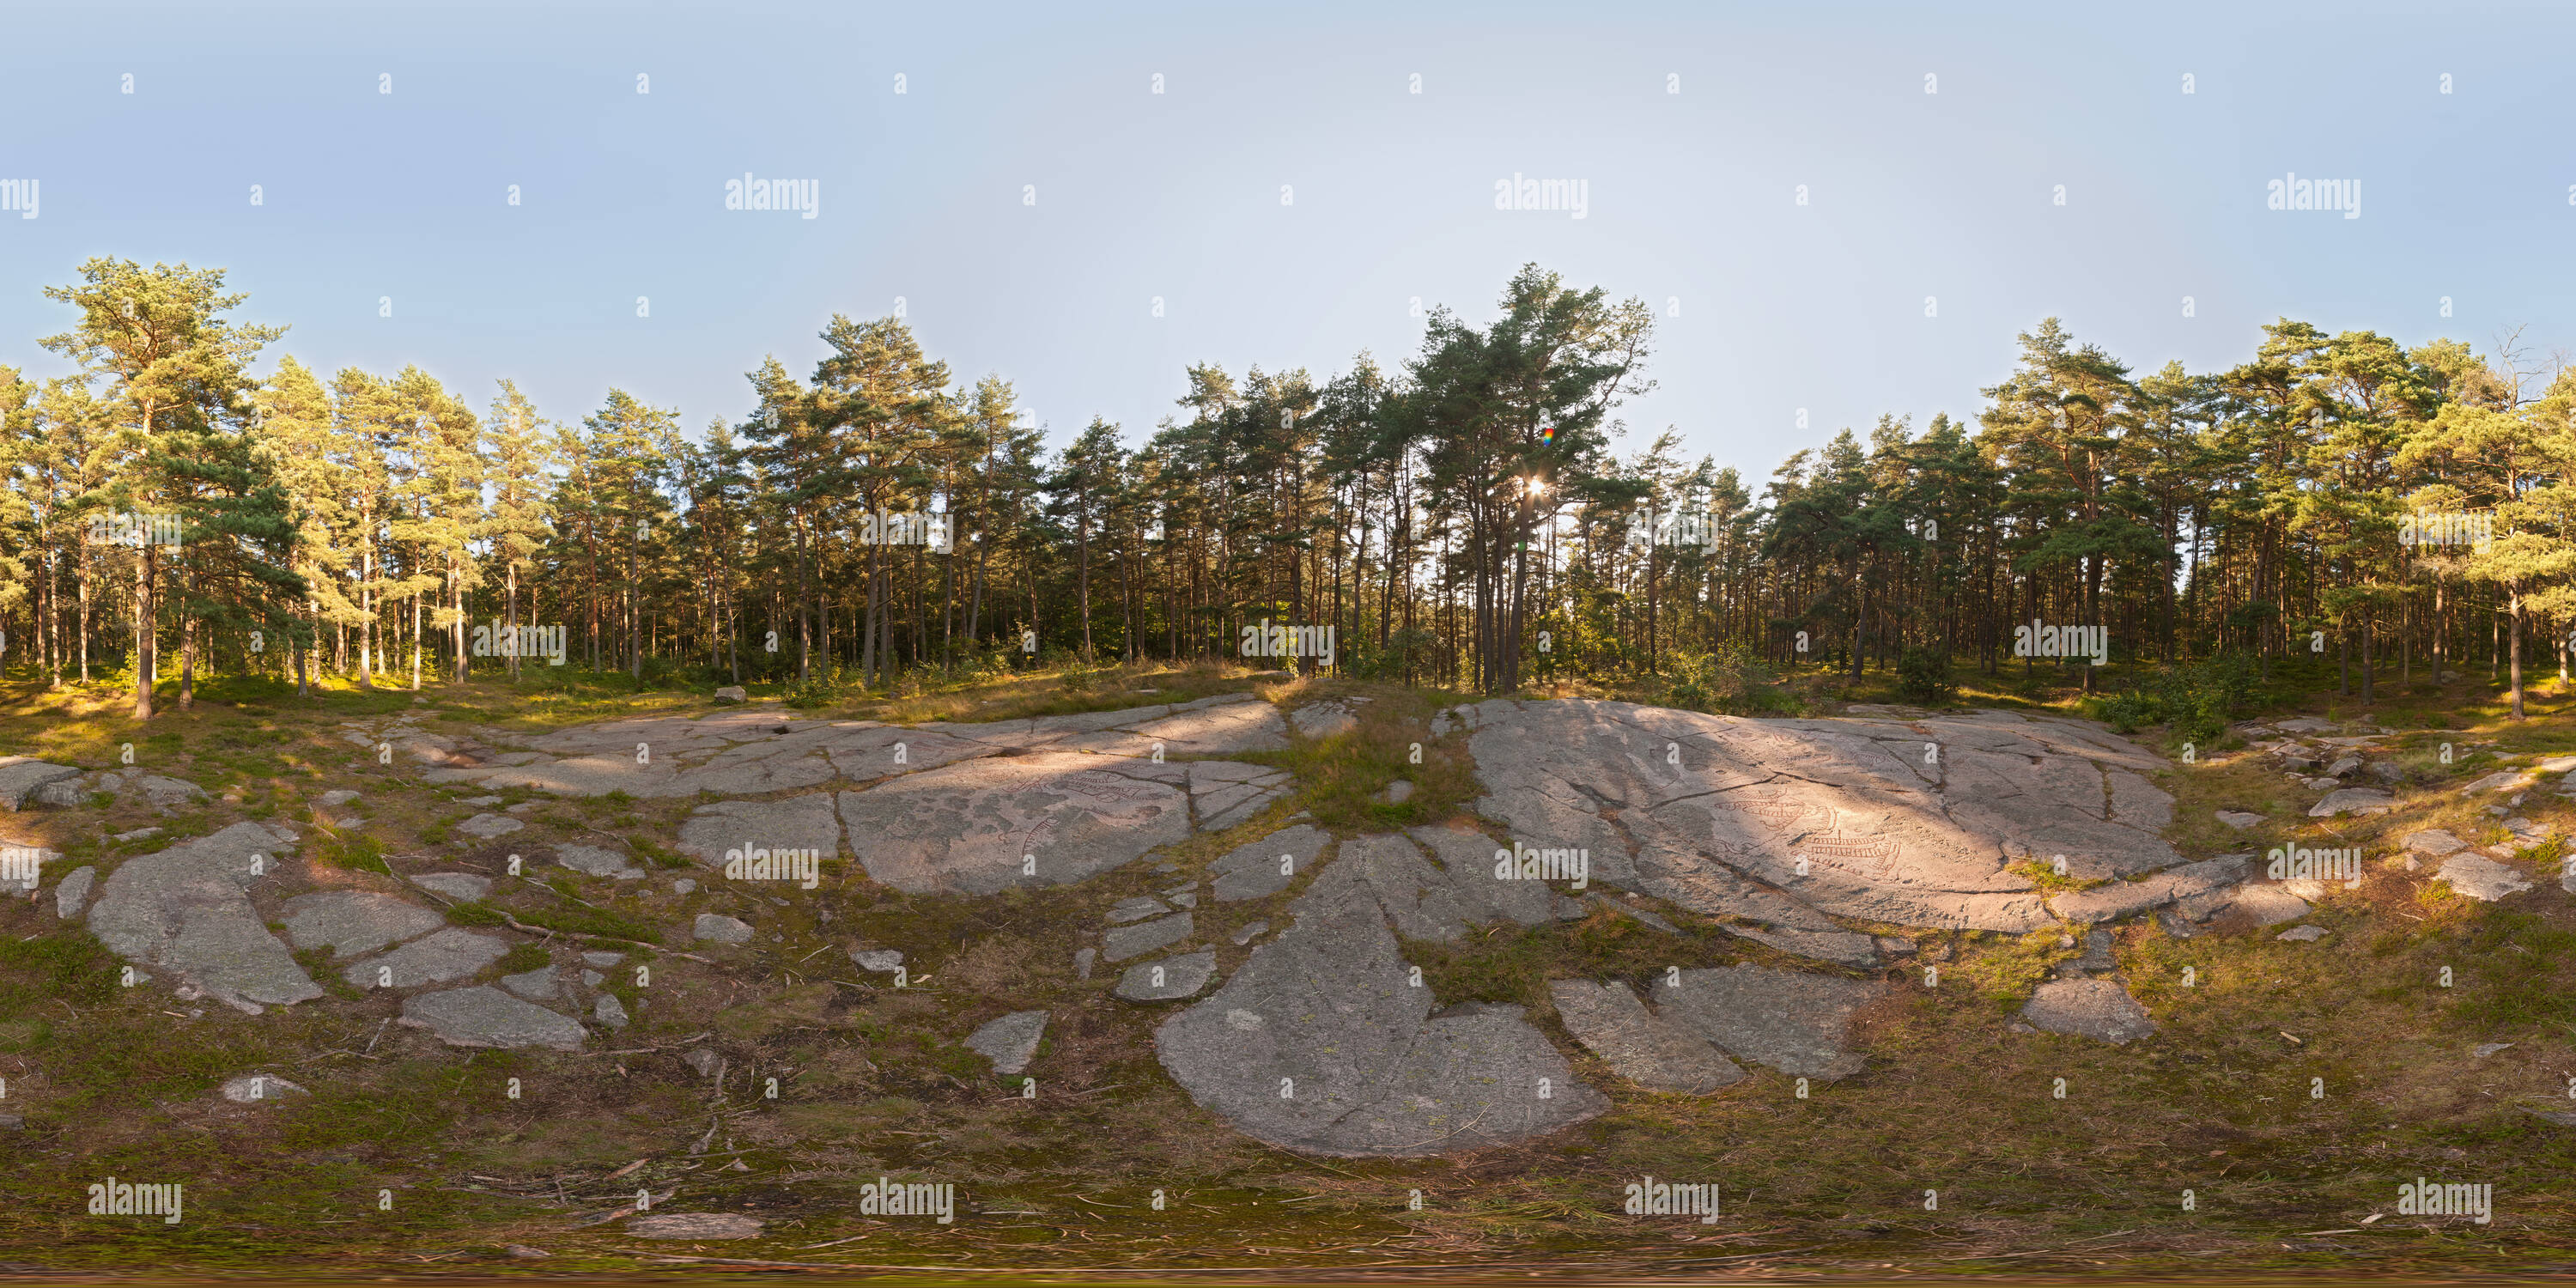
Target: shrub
1923,675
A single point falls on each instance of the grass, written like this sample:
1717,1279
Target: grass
872,1079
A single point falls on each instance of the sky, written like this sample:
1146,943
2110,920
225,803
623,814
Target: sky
1308,182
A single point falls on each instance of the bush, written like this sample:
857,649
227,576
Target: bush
1727,682
1923,675
2196,701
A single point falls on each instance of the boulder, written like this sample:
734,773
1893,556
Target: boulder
487,1017
1641,1046
184,909
351,922
608,1012
732,694
21,776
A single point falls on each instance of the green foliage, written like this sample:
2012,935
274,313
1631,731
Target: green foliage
1726,682
2195,702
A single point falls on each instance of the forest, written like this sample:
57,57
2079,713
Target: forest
1476,517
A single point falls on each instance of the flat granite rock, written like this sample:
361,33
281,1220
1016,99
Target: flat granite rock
2480,878
968,828
1168,980
794,823
1253,869
487,827
455,885
487,1017
2353,800
1011,1041
539,985
1643,1047
355,921
1785,824
2268,905
1792,1021
1327,1012
2092,1006
20,776
1323,719
166,793
598,861
1123,942
451,954
1137,909
2434,843
184,909
2239,819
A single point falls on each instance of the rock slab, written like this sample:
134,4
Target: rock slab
1643,1047
185,909
487,1017
1011,1041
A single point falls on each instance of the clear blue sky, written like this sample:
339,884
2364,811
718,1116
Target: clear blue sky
1177,195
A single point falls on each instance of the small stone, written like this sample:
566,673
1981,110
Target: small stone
715,927
1137,940
524,1251
336,797
2175,926
731,694
704,1060
253,1088
486,827
2302,934
2239,819
1136,909
592,979
608,1011
2484,1049
2269,905
2503,780
683,886
73,893
137,834
1891,946
1011,1041
2343,765
603,960
1250,933
1082,959
481,802
2435,843
523,807
455,885
1399,791
877,959
2387,771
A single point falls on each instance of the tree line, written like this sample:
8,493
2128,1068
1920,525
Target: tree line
1465,518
